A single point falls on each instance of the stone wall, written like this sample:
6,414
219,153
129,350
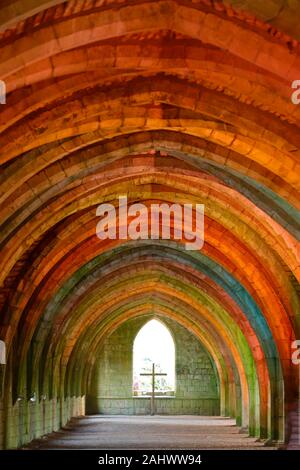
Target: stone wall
29,420
196,379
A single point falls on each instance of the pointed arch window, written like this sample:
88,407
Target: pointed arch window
154,345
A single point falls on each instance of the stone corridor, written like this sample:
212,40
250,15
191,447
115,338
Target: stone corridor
169,103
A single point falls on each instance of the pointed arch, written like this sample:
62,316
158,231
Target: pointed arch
154,344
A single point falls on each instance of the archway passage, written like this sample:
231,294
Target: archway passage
164,101
191,383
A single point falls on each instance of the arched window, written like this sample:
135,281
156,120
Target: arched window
153,345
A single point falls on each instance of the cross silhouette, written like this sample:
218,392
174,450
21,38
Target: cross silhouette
153,374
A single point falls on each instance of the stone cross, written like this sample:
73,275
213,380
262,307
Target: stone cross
153,374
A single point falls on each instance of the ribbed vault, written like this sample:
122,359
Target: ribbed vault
165,101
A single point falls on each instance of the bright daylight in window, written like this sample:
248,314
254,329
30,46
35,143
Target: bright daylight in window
154,345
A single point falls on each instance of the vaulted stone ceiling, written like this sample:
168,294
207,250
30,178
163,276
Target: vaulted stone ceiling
163,101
